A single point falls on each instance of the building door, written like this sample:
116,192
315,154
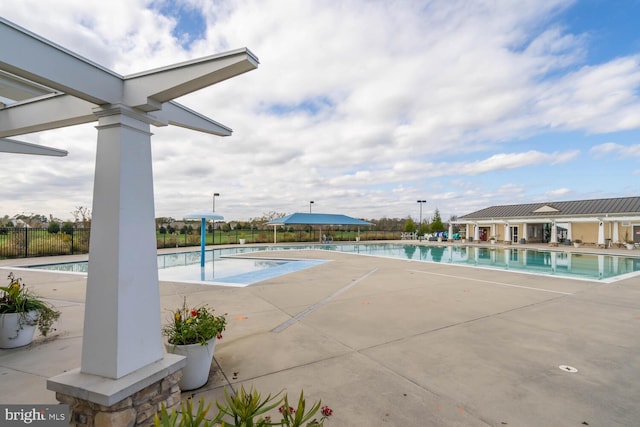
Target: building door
514,234
636,234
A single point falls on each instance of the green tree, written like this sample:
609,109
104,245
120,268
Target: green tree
67,228
53,227
436,224
409,226
424,229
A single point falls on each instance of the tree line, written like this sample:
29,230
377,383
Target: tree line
169,225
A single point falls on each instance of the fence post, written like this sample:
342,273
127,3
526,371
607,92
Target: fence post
73,233
26,242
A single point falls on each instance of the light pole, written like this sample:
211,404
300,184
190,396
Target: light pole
421,202
214,200
310,203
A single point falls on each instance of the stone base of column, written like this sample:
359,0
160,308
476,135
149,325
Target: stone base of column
132,400
506,242
553,244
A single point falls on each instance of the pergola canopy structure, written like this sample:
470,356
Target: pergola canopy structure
316,219
44,86
203,216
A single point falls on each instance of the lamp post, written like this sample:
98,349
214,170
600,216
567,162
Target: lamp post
310,203
214,200
421,202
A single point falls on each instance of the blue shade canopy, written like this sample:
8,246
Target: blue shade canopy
203,214
317,219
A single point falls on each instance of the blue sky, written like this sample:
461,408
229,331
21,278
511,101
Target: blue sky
362,106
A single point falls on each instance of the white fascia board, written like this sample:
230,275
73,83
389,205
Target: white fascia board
48,112
147,90
39,60
179,115
13,146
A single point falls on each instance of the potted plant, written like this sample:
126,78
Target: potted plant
21,312
242,239
245,409
492,240
629,243
577,243
192,332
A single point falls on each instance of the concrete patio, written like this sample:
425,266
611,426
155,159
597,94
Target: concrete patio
392,342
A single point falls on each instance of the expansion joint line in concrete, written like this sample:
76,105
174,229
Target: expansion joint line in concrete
494,283
319,304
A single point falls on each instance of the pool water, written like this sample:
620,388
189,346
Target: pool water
234,267
553,263
185,267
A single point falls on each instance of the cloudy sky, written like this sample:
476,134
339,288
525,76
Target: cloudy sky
362,106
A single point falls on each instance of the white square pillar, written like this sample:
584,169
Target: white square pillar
122,325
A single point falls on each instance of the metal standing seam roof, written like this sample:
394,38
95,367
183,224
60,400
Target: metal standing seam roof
317,219
617,206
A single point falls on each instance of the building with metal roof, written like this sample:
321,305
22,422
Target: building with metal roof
599,222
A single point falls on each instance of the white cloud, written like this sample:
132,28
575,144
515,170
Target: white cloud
379,100
615,149
558,193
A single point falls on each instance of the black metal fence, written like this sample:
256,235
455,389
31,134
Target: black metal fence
35,242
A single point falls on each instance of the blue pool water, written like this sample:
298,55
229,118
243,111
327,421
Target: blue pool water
241,270
185,267
553,263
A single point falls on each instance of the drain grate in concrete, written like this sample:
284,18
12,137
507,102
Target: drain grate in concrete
568,368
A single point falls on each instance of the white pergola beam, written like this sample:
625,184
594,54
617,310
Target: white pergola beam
148,89
18,89
179,115
44,113
71,74
20,147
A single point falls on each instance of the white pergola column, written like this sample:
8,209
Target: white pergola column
616,232
507,233
569,233
123,332
450,232
525,236
554,233
600,232
476,233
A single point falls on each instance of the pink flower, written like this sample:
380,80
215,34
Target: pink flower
326,411
283,409
219,336
194,313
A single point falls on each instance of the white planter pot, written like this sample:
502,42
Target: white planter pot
242,241
629,246
577,245
199,358
11,334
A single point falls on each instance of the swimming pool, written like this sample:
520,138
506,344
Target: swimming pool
218,269
240,270
598,267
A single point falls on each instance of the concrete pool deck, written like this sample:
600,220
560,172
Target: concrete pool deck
393,342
